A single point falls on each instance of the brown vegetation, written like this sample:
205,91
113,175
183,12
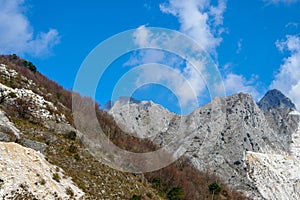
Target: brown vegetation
74,159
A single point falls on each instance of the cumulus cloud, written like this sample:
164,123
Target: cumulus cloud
17,34
199,19
234,83
186,84
190,83
281,1
194,67
288,78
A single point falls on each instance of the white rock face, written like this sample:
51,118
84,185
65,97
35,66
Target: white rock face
146,119
7,126
7,72
22,167
277,177
295,145
40,109
216,136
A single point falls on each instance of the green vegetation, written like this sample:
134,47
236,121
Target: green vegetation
69,191
72,148
56,177
214,188
156,182
71,135
12,95
136,197
176,193
178,181
29,65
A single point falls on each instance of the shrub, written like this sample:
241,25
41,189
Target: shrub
136,197
69,191
71,135
22,107
12,95
56,177
14,56
214,188
156,183
176,193
72,148
76,157
29,65
42,182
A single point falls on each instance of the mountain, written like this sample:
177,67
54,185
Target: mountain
223,135
41,152
281,114
43,155
274,99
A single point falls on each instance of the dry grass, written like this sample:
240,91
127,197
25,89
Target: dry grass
95,178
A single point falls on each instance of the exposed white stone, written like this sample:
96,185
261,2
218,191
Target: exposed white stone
216,135
41,106
294,112
295,145
23,166
8,126
10,73
146,119
277,177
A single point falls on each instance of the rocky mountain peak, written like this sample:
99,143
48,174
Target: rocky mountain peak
146,118
275,99
218,135
125,100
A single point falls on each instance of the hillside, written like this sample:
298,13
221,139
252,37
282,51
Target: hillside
37,114
223,135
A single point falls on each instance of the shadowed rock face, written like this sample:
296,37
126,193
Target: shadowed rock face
217,136
274,99
281,115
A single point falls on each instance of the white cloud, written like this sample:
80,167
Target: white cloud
141,36
198,19
192,74
234,83
17,35
186,84
288,78
292,25
281,1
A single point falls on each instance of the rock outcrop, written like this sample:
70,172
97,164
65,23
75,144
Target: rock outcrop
275,176
218,135
25,172
35,112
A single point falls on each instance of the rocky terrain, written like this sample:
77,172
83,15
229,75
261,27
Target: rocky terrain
253,147
223,136
25,171
41,153
275,176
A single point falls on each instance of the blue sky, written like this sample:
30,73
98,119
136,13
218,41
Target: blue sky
255,43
